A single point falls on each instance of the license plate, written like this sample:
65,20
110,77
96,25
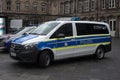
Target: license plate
13,54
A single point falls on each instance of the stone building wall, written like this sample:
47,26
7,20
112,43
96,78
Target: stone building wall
92,10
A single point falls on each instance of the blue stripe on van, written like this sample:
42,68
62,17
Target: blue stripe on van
76,42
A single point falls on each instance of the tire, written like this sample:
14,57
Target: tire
100,53
44,59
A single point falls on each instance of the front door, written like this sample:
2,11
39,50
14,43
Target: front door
112,23
64,45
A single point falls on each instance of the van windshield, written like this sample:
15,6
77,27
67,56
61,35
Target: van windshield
44,28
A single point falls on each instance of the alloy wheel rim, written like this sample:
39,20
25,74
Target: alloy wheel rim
47,59
100,53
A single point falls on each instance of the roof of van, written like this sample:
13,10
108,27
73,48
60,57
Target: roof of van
95,22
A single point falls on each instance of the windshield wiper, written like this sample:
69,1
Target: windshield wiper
37,34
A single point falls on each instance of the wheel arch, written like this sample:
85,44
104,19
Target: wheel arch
101,45
47,49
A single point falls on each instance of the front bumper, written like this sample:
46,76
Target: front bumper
24,55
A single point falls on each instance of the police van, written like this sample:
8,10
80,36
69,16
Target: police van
56,40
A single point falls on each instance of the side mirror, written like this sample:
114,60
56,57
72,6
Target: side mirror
60,35
25,34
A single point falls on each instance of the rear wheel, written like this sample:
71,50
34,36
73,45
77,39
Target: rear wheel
44,59
100,53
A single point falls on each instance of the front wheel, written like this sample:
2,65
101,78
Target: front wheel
100,53
44,59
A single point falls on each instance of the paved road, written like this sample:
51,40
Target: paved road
82,68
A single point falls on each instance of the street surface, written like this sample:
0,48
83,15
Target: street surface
81,68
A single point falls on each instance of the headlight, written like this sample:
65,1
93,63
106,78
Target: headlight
29,46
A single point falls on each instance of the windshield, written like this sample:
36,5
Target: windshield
15,30
45,28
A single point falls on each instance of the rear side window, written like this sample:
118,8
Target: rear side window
87,29
100,29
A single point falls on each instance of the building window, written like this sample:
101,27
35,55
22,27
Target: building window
112,3
17,6
67,8
35,7
55,4
119,3
86,5
104,4
0,8
62,8
43,7
93,5
79,6
72,7
27,6
8,3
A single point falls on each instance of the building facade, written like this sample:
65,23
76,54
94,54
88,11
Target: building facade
94,10
30,11
38,11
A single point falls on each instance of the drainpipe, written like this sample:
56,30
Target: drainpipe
0,7
75,8
97,10
118,27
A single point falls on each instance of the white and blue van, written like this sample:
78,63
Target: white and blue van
56,40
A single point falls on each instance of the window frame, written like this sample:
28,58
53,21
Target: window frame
62,8
67,7
18,6
35,7
104,3
93,5
86,5
27,6
112,4
80,5
72,7
43,7
8,7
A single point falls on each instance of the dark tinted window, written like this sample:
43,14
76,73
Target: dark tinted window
87,29
83,29
66,29
100,29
